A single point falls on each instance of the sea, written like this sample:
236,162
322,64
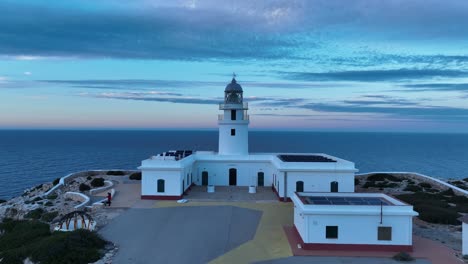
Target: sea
32,157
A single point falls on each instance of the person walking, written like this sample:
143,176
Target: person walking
109,198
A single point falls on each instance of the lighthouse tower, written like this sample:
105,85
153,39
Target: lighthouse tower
234,122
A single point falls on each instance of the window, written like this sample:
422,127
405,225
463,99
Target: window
384,233
299,186
334,186
233,132
233,114
160,185
331,232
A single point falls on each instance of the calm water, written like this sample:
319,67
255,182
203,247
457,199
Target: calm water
28,158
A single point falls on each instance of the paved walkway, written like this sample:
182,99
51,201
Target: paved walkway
338,260
269,242
180,234
230,193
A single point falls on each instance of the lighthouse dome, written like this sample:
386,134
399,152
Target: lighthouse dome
233,86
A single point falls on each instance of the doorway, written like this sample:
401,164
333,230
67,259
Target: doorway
204,177
334,186
260,179
232,176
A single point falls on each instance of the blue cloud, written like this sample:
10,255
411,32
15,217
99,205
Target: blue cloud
374,75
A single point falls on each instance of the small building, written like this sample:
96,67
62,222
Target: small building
170,174
353,221
464,220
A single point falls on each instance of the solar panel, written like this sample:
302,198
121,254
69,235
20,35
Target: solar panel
304,158
336,200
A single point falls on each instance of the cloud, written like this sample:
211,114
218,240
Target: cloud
374,75
27,73
429,112
422,87
194,30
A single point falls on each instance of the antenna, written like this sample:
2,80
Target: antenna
234,75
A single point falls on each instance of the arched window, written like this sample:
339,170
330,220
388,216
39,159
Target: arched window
334,186
299,186
160,185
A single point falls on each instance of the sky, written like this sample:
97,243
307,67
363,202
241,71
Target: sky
314,65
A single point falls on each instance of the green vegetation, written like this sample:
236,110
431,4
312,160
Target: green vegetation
403,256
37,199
84,187
116,173
97,182
135,176
56,181
48,217
2,201
383,177
34,214
412,188
23,239
89,178
356,181
52,196
436,207
425,185
466,179
384,184
49,203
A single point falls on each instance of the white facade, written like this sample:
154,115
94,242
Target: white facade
465,237
170,174
354,224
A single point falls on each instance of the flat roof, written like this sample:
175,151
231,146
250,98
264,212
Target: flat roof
346,200
304,158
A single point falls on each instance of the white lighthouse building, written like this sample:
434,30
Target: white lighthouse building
168,175
234,122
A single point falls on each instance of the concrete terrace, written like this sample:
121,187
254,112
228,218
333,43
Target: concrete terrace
207,230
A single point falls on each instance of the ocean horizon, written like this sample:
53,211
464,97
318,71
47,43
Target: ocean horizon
31,157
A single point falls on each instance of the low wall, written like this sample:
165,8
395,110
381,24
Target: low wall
420,177
69,177
108,186
78,197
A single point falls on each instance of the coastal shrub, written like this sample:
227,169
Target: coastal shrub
380,185
52,197
410,181
412,188
466,179
89,178
97,182
56,181
33,239
356,181
425,185
2,201
369,184
435,208
448,192
431,190
135,176
38,187
49,203
49,216
438,215
116,173
403,256
383,177
34,214
84,187
37,199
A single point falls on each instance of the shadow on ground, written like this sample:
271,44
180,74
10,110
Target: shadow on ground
180,234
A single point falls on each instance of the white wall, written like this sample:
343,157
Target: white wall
218,172
356,229
465,239
172,178
319,181
233,145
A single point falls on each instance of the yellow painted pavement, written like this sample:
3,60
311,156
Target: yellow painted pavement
269,242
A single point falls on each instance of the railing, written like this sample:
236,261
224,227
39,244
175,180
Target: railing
243,106
221,117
